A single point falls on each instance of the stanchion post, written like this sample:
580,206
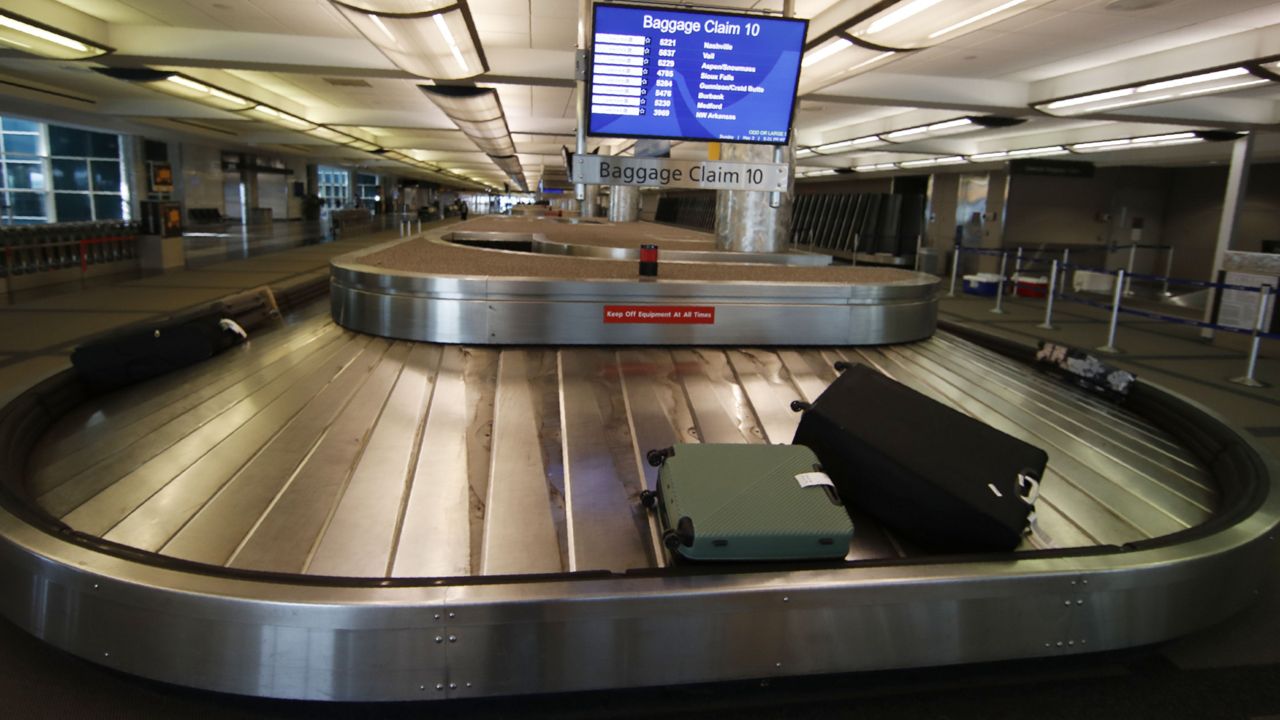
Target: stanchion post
1017,263
999,308
1248,379
853,258
919,244
1110,347
1128,284
955,266
1048,300
1066,260
1168,270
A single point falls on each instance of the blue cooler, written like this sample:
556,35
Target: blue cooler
983,284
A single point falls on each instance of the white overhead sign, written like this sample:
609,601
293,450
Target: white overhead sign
667,173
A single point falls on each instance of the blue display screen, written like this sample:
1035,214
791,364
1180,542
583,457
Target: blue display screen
686,75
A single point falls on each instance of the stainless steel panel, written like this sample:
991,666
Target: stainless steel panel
521,511
721,411
768,387
285,537
90,470
116,497
477,310
608,528
656,403
214,533
359,539
156,520
435,536
131,413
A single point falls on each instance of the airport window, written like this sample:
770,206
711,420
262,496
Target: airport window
368,189
335,187
23,182
59,174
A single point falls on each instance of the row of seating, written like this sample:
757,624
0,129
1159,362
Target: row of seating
26,249
878,222
691,210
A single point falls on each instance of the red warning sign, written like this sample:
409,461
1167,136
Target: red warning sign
661,314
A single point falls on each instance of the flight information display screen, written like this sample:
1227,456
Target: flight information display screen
690,75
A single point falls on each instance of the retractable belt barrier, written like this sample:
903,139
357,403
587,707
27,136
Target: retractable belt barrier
1121,286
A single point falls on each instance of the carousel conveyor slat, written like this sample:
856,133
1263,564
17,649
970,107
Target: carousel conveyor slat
1188,480
1119,422
315,450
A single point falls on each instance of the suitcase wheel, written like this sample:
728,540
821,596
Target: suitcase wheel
657,457
842,365
649,498
684,531
799,406
670,539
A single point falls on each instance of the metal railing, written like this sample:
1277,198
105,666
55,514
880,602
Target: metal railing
1120,288
32,249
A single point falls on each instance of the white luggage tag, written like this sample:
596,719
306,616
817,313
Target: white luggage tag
814,479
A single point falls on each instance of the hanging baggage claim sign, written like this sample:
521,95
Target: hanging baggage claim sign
667,173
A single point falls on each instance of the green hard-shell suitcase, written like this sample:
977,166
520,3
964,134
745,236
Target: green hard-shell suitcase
747,502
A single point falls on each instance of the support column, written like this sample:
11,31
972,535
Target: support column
585,194
756,221
744,220
624,203
590,205
1237,187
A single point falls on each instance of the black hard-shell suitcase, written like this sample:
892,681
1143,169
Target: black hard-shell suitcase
120,360
941,479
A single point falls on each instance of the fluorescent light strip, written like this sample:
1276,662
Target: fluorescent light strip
824,52
959,122
905,12
448,38
976,18
906,133
1193,79
1145,141
385,31
1223,88
983,157
864,63
1083,99
43,34
1050,150
948,160
201,87
1162,138
817,173
874,168
865,140
1128,103
281,115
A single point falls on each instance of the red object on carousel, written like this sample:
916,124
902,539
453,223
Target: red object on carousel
648,260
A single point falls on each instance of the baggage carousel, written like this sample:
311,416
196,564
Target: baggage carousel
331,514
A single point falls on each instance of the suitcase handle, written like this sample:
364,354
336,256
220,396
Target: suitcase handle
1028,488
